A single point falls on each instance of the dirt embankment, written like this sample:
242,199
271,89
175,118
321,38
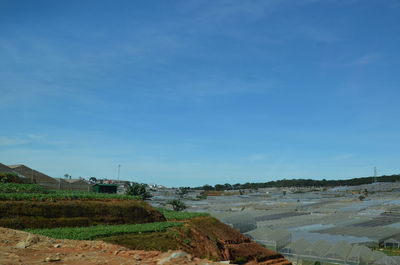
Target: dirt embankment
33,214
21,248
204,237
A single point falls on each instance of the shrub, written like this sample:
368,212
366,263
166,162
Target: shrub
137,189
10,178
177,205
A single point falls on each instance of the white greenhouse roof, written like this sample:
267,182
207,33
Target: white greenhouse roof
339,251
387,260
267,234
298,247
318,249
359,253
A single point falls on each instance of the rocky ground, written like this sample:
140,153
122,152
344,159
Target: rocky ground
22,248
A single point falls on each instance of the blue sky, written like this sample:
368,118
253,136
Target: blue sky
193,92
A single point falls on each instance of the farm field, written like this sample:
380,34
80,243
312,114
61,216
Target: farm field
92,232
125,221
23,192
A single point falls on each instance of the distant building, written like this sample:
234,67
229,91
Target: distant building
105,188
393,242
36,177
74,184
274,239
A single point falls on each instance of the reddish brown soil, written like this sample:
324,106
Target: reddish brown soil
213,239
203,237
43,250
209,238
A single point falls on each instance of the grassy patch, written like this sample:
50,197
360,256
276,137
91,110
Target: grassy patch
161,241
174,215
92,232
390,251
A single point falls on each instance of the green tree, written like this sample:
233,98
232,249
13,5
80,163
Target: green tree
219,187
228,186
208,187
137,189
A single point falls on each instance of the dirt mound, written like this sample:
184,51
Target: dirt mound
17,248
203,237
213,236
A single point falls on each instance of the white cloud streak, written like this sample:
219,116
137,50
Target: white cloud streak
7,141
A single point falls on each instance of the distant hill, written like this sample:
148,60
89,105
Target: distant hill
302,183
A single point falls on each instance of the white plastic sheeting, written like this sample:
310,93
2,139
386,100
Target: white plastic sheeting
339,252
273,239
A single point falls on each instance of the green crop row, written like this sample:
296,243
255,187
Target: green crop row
175,215
64,195
92,232
23,188
33,192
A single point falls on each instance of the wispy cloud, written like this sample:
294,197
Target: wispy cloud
7,141
320,34
227,9
356,61
35,139
340,157
366,59
256,157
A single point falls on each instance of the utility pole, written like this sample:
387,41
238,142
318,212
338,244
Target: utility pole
375,174
119,169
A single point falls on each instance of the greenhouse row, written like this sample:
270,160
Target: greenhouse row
339,253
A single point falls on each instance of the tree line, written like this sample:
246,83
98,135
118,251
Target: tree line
299,183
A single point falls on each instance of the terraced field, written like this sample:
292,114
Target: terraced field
32,192
92,232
